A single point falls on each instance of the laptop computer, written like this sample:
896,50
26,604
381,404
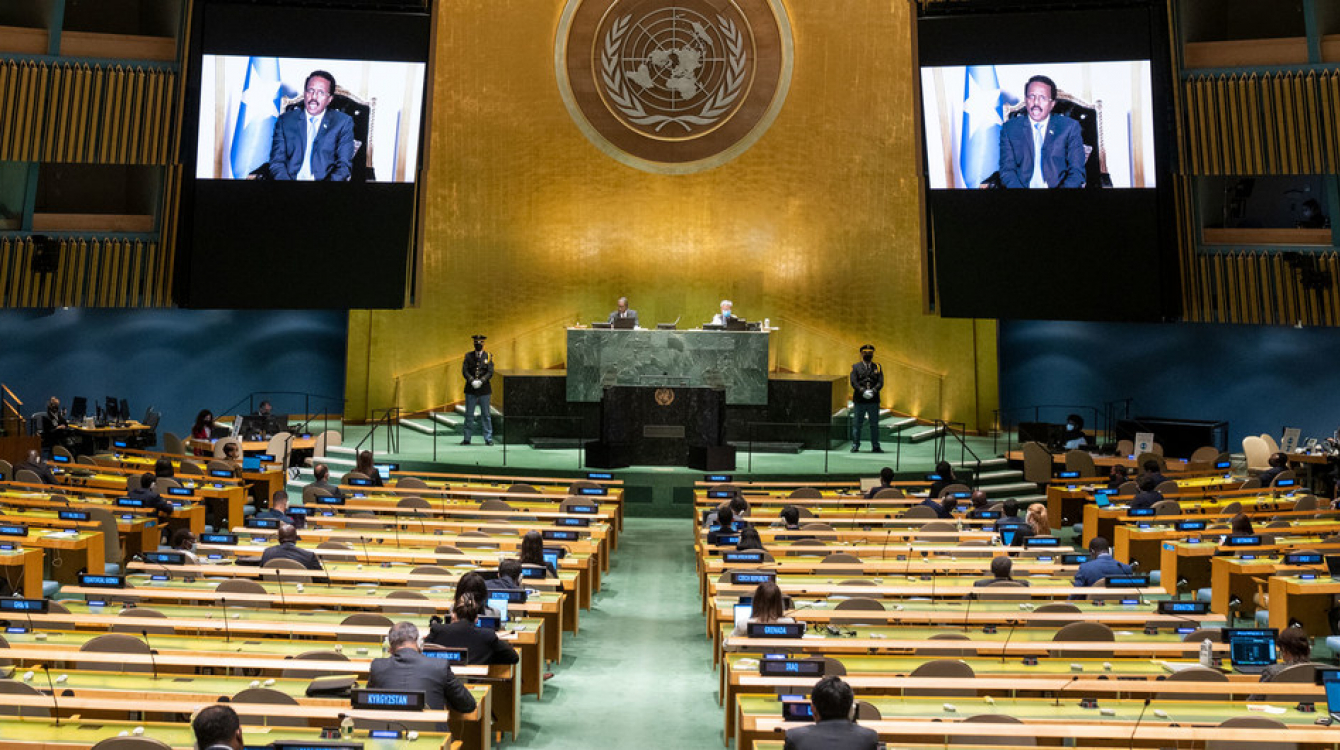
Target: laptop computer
1333,566
1251,650
624,324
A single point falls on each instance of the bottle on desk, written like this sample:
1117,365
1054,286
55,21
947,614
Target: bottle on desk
1206,653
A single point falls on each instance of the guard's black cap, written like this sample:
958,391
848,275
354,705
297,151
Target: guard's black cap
868,348
479,337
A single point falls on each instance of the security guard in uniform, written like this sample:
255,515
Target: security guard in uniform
477,369
867,380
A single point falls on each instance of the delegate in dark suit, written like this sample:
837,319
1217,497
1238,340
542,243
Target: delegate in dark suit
291,551
1062,153
1099,568
407,669
623,314
332,148
832,734
482,645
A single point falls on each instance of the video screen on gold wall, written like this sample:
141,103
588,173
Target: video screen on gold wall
1092,123
258,113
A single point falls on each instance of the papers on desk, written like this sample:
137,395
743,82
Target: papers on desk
1264,708
1178,666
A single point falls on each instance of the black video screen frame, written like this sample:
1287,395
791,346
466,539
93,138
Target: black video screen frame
255,244
1085,254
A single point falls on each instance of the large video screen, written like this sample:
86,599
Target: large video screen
304,133
255,113
1048,142
1092,124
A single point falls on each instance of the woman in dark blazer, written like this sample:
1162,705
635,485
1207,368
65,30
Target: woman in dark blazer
482,645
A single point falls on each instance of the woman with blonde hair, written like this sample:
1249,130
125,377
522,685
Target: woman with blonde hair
1037,520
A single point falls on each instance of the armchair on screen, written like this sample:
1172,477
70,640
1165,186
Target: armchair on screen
363,113
1090,119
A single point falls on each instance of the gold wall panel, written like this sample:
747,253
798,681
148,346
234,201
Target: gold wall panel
528,227
73,112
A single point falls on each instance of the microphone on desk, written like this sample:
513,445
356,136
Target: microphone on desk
1005,648
227,635
396,526
55,705
152,653
1062,689
1138,719
967,612
283,603
367,559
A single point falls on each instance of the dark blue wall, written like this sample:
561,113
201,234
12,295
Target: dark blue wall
1258,378
178,361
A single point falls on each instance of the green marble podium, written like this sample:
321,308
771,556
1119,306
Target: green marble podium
734,360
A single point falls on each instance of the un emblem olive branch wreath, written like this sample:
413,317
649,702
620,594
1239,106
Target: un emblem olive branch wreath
716,105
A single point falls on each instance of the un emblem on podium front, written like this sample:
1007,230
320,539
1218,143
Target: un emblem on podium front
665,396
674,86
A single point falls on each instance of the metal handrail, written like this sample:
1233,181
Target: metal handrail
941,439
390,416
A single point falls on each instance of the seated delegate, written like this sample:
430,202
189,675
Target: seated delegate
482,645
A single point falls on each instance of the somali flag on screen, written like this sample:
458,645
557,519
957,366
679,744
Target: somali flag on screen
256,116
979,151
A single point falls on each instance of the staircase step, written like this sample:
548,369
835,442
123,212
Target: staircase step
991,464
419,427
1011,489
447,420
343,450
929,433
460,411
1000,475
898,424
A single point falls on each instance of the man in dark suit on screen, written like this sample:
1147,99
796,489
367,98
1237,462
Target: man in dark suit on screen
1042,150
833,728
312,142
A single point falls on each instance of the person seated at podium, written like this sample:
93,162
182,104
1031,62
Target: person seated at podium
38,466
264,410
622,312
833,728
1101,566
1295,648
1074,438
1279,463
217,727
321,481
1010,521
509,575
767,607
1241,525
532,553
945,472
1152,469
408,669
725,519
149,494
53,422
203,430
1001,567
1117,477
723,317
885,482
1147,495
980,503
183,541
749,540
367,468
279,511
482,645
288,549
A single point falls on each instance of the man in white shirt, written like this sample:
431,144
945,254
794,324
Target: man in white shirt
313,142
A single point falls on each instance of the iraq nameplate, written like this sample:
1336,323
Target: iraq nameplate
674,86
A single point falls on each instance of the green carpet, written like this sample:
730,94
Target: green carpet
640,671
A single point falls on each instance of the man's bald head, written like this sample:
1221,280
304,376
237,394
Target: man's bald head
288,533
